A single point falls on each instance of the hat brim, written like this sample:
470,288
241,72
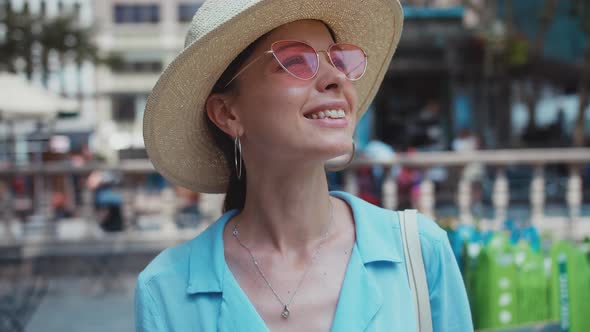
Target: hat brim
175,134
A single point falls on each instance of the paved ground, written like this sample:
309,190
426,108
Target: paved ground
86,305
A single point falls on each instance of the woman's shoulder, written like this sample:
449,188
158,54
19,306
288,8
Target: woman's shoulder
429,229
175,261
170,262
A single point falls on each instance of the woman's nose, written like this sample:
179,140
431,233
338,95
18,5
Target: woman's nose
329,77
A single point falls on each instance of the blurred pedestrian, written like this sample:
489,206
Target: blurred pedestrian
108,200
379,151
431,135
263,95
188,215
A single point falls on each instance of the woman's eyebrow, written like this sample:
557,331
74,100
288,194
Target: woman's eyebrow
288,45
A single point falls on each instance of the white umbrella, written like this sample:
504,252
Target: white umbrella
20,99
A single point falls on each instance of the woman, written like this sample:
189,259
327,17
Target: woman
263,95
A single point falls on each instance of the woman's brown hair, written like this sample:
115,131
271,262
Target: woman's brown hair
236,190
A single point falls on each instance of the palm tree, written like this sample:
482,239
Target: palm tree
61,35
73,44
19,40
8,43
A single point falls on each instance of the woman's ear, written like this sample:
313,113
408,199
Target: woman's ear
222,115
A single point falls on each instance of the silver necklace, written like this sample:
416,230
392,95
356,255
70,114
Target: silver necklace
286,312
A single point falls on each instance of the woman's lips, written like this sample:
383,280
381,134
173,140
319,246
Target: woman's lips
329,122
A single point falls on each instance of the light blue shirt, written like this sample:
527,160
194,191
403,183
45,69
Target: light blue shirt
190,287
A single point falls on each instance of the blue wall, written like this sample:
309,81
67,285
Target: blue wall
565,39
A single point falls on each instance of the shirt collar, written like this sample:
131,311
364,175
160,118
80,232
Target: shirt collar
207,264
377,237
378,234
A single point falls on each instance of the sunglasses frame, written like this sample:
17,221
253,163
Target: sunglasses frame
317,53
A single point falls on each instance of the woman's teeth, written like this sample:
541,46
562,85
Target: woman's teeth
333,114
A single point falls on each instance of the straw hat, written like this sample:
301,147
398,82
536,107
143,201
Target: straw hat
175,133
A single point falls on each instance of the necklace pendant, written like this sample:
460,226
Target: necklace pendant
285,313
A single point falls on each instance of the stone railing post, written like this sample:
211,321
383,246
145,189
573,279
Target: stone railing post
574,198
205,207
500,197
168,210
210,206
350,181
464,200
427,197
389,191
538,196
129,208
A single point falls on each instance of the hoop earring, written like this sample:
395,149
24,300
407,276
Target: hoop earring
238,150
345,165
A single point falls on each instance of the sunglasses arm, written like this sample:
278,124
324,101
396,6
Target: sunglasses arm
246,67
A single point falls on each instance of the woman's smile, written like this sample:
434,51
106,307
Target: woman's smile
331,115
328,121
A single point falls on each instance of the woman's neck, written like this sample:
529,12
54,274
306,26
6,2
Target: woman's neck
287,208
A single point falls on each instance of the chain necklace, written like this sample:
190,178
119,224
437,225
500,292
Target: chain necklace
285,313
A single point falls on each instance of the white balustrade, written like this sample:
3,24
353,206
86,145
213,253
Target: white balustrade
163,205
389,191
210,206
574,199
128,209
464,200
168,210
427,197
500,197
537,195
350,182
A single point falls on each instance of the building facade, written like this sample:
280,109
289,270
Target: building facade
146,35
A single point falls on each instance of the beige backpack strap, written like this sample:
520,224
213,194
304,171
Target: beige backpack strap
415,268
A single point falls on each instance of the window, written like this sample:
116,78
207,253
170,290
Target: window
148,67
139,67
123,108
186,11
143,13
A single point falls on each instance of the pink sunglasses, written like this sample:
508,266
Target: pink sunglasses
303,62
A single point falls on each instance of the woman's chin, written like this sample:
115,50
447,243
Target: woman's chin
338,160
339,155
325,151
